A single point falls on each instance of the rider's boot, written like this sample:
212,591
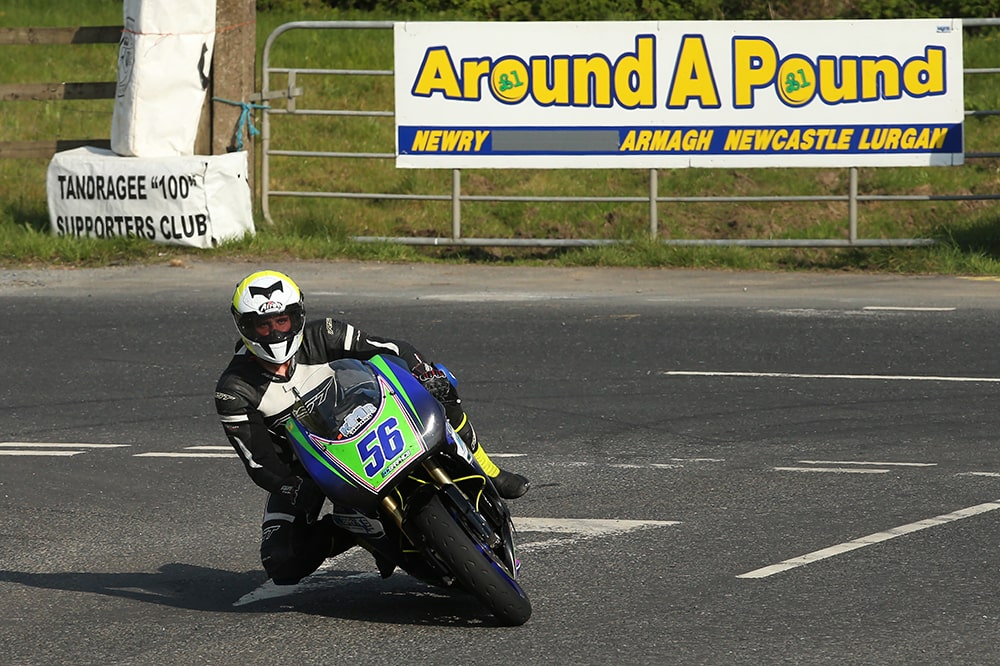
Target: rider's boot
510,485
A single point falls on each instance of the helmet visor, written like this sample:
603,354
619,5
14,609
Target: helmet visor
272,327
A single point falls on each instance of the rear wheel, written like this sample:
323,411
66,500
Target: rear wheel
473,564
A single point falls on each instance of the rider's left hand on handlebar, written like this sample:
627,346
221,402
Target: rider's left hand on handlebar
433,379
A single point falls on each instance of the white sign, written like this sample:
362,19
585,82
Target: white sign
198,200
679,94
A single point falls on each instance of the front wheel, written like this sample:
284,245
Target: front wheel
472,563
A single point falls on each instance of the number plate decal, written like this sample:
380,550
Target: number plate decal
380,449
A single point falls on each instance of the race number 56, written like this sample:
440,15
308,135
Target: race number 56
381,445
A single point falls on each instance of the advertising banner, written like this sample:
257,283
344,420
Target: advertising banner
679,94
198,200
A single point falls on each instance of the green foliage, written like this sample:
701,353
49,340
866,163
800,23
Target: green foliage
59,12
296,6
969,231
660,10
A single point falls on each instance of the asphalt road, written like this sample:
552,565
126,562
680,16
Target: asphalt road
727,468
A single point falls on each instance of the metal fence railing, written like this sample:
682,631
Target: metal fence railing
653,198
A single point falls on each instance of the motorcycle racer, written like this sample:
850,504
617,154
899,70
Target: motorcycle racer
254,396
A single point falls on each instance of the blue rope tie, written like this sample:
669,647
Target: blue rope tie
245,119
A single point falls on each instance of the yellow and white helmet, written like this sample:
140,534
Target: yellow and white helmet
269,314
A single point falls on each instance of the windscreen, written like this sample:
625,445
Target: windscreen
342,404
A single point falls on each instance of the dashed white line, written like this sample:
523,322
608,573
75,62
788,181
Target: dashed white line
854,466
60,445
839,470
192,452
227,452
799,375
878,537
698,460
499,297
18,452
51,449
183,454
863,462
903,308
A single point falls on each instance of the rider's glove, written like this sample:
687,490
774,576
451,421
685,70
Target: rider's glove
434,380
304,494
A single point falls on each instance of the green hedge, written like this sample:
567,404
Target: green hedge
633,10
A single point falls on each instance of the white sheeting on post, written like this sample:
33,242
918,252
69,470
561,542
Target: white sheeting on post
164,65
151,185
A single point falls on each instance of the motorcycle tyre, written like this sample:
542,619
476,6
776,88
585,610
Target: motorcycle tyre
475,570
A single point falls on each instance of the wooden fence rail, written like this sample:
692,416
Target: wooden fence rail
17,92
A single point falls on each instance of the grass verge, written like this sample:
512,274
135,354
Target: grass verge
967,232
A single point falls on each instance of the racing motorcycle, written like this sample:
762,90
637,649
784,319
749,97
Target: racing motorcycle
404,483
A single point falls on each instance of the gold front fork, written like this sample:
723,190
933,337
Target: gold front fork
437,475
391,507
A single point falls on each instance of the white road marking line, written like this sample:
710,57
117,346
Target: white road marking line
695,460
321,579
861,462
878,537
794,375
500,297
993,474
60,445
586,526
577,528
671,465
839,470
50,449
672,299
38,453
227,452
903,308
181,454
676,463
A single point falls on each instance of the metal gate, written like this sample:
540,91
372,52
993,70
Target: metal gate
291,91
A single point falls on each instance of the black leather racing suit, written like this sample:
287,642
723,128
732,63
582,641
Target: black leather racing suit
253,405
